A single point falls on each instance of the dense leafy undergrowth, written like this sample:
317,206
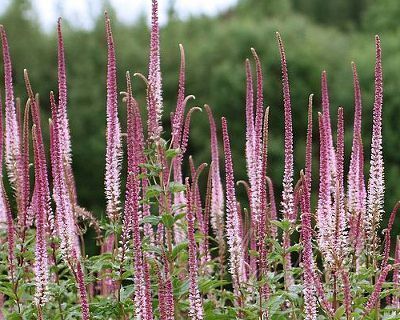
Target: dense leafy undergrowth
177,247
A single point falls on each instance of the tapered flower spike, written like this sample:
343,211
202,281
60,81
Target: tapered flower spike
250,131
374,297
346,292
27,220
195,302
3,215
217,193
249,105
133,169
265,217
272,207
339,241
197,209
62,96
259,106
180,198
138,153
324,211
177,120
255,164
113,147
44,190
237,265
9,221
376,183
154,99
287,194
353,195
327,122
66,228
387,235
396,274
83,299
12,136
308,163
360,223
41,266
307,256
132,209
340,147
287,203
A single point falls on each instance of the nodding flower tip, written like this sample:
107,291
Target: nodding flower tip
141,76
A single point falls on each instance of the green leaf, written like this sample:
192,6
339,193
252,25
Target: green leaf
167,220
172,153
178,248
175,187
153,191
339,312
153,220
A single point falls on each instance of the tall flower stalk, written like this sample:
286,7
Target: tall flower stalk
376,183
195,302
288,210
113,147
12,140
233,230
154,96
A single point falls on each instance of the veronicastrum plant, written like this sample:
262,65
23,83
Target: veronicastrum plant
170,249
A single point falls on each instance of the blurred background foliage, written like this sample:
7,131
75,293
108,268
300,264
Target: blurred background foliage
318,35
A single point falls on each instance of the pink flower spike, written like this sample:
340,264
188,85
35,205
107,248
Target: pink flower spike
132,209
254,156
339,241
217,193
177,120
250,131
154,99
272,207
308,260
346,292
64,208
237,261
287,203
259,105
376,183
396,274
62,97
12,136
374,297
27,220
353,195
113,147
41,266
8,219
287,193
327,122
3,215
324,211
195,301
308,164
45,191
387,235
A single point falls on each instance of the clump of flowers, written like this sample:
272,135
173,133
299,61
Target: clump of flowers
170,249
